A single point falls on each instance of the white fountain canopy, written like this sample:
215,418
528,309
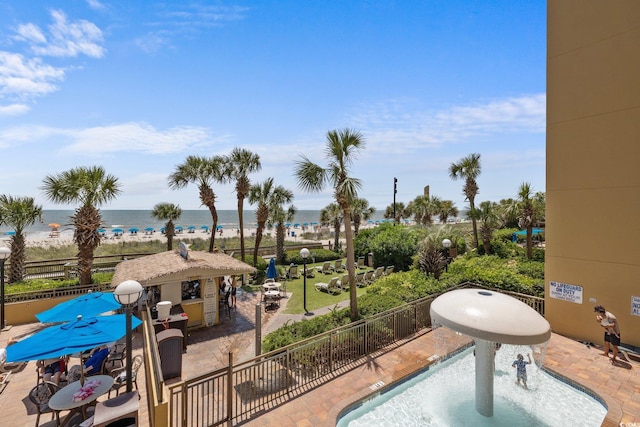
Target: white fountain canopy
490,316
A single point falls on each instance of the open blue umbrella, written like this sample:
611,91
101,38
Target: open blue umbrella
133,230
149,229
191,227
86,305
219,227
69,338
9,233
272,273
117,230
204,227
178,228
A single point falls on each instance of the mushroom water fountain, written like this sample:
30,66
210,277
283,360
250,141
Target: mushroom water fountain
489,317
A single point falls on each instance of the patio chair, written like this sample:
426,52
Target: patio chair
331,287
292,272
388,270
369,277
378,273
120,375
338,267
326,268
39,396
117,355
344,282
359,282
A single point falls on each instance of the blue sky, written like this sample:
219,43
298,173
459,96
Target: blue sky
138,86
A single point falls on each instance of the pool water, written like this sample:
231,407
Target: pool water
444,396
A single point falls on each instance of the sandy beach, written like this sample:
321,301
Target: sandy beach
65,237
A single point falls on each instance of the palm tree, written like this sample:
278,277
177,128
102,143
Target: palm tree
529,208
396,214
167,212
468,168
423,208
203,172
342,146
279,216
446,209
266,196
331,216
90,187
19,213
431,258
240,163
360,211
489,221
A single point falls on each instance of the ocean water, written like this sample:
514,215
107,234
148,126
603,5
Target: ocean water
142,219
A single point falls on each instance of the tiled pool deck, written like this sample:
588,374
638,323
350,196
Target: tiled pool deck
618,386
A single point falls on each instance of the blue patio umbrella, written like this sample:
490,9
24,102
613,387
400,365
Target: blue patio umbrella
219,227
191,227
117,230
9,233
287,224
87,305
134,230
149,229
204,227
70,338
296,225
272,273
178,228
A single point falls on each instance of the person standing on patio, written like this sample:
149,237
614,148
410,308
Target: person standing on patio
234,289
611,331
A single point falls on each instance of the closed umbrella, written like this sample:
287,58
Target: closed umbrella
86,305
272,273
70,338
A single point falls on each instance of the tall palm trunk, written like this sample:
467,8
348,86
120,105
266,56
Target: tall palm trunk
336,235
16,268
170,232
262,215
280,230
86,220
241,223
351,264
473,222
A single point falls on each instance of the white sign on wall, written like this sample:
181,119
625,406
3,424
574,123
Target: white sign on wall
210,303
566,292
635,306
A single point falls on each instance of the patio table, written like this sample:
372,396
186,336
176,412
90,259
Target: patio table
63,399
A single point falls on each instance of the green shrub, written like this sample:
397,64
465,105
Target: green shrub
390,245
317,255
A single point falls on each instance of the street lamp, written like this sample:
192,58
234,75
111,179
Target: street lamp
304,253
4,254
128,293
447,244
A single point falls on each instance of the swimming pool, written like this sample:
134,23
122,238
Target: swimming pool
444,396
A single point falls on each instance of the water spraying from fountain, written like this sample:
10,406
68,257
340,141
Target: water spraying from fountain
489,317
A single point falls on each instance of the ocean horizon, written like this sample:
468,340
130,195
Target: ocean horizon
141,219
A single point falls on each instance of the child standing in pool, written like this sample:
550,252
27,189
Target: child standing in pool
521,369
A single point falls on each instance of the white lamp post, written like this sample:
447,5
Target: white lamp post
4,254
128,293
447,245
304,253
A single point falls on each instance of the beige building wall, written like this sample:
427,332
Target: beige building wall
593,165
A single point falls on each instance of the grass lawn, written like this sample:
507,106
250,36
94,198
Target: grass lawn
315,299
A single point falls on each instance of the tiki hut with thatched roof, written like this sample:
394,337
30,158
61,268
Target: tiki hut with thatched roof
176,276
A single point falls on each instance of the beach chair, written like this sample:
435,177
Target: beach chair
378,273
359,282
337,266
388,270
369,277
331,287
292,272
326,268
344,282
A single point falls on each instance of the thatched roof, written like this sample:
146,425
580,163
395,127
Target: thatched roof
170,267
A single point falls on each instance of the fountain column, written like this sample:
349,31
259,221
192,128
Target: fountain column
485,366
489,317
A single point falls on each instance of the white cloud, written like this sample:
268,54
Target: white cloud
13,109
391,126
96,5
23,78
30,33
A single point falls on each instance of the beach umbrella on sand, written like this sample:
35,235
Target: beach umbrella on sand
204,228
70,338
191,227
117,230
54,225
272,273
133,230
87,305
101,230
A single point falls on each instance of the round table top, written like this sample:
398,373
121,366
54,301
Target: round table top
63,399
268,285
272,293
